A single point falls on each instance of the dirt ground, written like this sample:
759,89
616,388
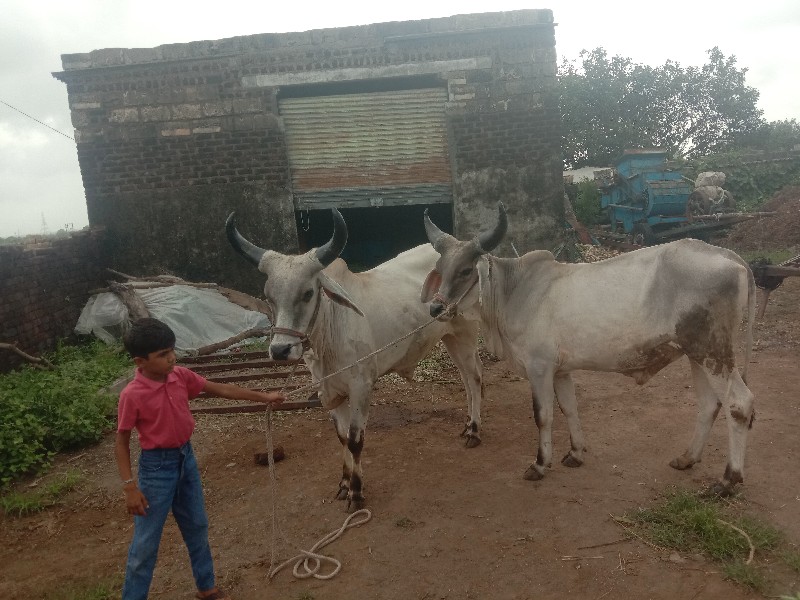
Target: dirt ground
447,521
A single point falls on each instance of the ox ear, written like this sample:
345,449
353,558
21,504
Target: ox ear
431,286
336,293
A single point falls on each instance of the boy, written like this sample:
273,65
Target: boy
156,403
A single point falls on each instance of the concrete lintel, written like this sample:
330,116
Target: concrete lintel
353,74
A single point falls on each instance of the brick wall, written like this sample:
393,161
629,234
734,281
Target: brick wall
156,128
43,289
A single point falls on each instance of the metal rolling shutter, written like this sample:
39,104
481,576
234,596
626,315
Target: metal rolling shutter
371,149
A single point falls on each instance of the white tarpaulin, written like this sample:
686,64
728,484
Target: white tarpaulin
198,316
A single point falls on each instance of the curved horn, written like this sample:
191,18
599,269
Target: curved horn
488,240
333,248
252,253
434,233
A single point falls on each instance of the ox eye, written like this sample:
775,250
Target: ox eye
466,272
308,295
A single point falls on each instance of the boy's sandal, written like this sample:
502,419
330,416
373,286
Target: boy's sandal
217,595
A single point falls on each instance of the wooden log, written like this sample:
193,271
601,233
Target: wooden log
254,332
247,301
780,271
131,300
38,362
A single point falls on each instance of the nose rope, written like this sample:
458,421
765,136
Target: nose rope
302,338
450,308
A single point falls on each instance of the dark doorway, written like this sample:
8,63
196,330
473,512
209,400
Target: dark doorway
374,234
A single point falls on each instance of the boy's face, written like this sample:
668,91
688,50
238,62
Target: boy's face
158,364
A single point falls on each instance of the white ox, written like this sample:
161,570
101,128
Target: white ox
632,314
312,311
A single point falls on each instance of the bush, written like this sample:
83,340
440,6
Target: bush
587,204
45,412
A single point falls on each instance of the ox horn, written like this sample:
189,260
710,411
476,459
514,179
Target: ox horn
488,240
333,248
251,252
435,235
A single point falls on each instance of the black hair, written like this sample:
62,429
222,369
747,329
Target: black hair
148,335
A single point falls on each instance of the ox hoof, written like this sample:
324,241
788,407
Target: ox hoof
571,461
472,441
356,504
719,490
681,463
532,474
342,494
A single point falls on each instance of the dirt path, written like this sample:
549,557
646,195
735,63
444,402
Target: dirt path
449,522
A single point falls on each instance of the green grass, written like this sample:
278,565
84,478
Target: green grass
689,523
20,504
107,589
792,559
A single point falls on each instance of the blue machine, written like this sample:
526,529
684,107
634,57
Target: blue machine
643,195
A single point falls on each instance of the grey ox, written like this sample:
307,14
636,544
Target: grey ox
632,314
313,312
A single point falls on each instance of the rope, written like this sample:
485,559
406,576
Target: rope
272,477
311,562
448,308
311,386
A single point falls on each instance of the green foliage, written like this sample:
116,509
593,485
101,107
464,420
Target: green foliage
587,204
752,178
45,412
776,136
611,104
25,503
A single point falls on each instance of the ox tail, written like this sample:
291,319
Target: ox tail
751,319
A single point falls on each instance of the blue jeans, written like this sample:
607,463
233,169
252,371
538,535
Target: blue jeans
169,479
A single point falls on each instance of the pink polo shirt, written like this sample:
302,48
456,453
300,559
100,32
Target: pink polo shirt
160,411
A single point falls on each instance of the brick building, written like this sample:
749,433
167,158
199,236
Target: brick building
381,121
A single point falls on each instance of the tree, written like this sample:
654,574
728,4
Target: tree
611,104
775,136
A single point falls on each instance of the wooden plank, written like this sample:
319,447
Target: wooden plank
780,271
252,408
216,368
194,360
274,388
235,357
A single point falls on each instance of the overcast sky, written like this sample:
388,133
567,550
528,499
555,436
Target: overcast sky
40,181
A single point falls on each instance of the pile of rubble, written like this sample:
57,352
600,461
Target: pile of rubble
779,232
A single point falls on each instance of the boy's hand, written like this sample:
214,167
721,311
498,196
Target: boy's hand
273,398
135,501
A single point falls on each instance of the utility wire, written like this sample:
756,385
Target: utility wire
69,137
